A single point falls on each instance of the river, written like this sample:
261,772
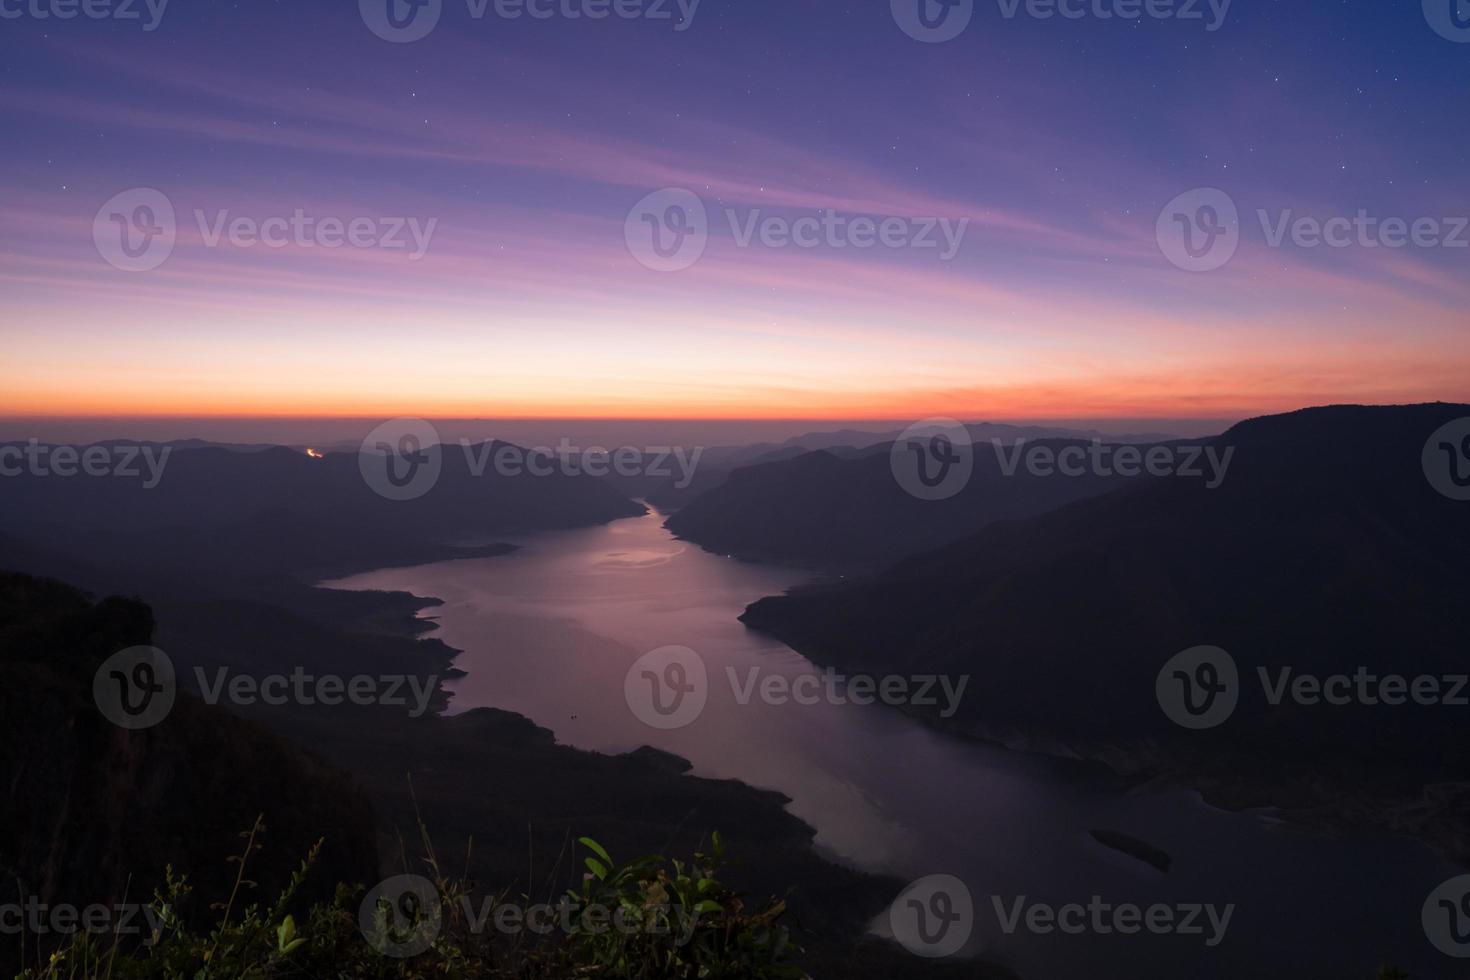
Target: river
551,631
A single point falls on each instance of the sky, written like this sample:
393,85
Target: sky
506,175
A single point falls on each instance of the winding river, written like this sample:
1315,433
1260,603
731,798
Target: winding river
551,631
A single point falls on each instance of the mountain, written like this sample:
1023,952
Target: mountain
714,469
1325,550
716,463
846,508
92,812
274,510
979,432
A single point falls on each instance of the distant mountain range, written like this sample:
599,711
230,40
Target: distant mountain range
720,526
979,432
275,510
1326,549
844,507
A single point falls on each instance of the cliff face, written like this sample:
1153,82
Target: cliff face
90,812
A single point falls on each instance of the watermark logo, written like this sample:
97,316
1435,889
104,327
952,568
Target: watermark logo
1446,917
90,9
1199,688
401,916
401,21
670,687
933,459
1446,459
667,688
667,231
135,230
135,688
1199,231
401,459
932,21
1449,18
933,917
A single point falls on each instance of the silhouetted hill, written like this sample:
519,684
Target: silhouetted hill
279,510
91,811
979,432
1326,549
825,508
717,463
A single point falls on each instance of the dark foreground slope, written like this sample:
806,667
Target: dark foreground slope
1326,550
90,812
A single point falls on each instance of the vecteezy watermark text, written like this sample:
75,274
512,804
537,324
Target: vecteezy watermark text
402,459
934,459
1100,917
136,688
668,688
830,687
306,689
405,21
137,230
571,460
117,460
936,21
39,918
935,916
302,230
1201,688
1200,230
402,916
1098,458
148,12
668,230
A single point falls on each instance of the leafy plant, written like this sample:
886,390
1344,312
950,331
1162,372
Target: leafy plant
680,923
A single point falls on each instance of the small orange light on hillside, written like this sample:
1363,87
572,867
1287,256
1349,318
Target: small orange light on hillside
313,454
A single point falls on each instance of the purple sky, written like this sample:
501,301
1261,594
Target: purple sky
520,150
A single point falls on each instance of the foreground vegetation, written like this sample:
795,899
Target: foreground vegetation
681,923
